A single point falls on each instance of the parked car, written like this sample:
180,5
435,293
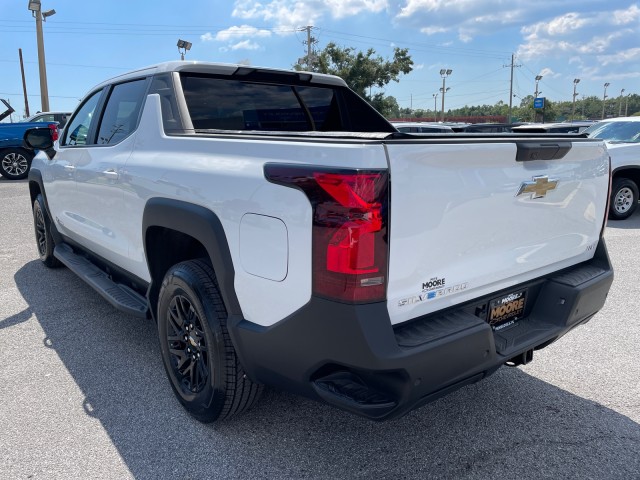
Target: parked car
421,127
15,157
60,117
622,137
574,127
486,128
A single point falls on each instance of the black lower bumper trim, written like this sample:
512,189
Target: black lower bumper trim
350,356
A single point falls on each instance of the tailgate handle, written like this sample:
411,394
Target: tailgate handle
530,151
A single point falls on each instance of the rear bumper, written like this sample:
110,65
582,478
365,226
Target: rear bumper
350,356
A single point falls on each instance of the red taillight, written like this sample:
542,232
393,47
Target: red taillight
350,247
53,127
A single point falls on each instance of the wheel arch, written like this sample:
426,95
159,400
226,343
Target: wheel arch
175,231
36,187
630,172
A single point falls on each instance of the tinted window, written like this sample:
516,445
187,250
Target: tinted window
45,118
235,105
230,104
120,116
78,129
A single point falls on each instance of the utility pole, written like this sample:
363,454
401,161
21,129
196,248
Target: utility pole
24,85
511,65
620,108
604,98
309,42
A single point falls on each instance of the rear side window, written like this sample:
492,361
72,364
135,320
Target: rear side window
121,113
228,104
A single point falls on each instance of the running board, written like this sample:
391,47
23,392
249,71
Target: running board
120,296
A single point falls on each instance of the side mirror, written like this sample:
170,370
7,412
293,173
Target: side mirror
41,138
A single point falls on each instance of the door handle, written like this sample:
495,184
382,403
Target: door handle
70,168
111,174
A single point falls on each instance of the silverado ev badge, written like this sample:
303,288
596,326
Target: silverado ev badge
538,188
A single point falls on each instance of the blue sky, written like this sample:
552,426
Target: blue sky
89,41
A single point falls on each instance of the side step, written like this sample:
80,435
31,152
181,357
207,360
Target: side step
120,296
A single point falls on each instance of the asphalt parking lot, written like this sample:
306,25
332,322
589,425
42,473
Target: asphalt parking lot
83,395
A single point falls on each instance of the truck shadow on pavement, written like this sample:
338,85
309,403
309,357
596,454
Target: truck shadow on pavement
510,425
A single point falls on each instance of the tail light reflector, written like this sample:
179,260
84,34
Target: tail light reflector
53,129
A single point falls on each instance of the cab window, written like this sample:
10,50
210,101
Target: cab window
121,114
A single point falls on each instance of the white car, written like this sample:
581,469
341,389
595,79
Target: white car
622,136
421,127
60,117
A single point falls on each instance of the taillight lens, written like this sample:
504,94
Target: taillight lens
53,129
350,216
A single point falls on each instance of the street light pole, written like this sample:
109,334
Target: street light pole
604,98
535,95
183,46
444,73
40,16
620,108
576,81
435,107
626,105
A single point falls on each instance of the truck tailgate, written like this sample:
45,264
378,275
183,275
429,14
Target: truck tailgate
468,219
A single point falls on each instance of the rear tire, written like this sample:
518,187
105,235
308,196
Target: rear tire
624,199
15,163
196,349
44,240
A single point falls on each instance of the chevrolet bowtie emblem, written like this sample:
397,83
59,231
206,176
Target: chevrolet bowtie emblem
538,188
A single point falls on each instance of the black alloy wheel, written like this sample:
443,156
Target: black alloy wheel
187,345
42,228
198,355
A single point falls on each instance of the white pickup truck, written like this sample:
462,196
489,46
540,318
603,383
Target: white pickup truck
281,232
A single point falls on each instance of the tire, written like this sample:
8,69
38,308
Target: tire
198,356
42,228
624,199
15,163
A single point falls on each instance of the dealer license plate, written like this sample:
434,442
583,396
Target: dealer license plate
507,310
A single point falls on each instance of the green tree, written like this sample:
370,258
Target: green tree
387,106
362,71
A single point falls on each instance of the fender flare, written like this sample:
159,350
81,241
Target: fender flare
204,226
35,176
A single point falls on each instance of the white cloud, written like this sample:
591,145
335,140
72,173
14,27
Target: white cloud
548,73
245,45
243,31
433,30
469,18
590,41
292,14
630,55
418,66
237,37
464,36
625,17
